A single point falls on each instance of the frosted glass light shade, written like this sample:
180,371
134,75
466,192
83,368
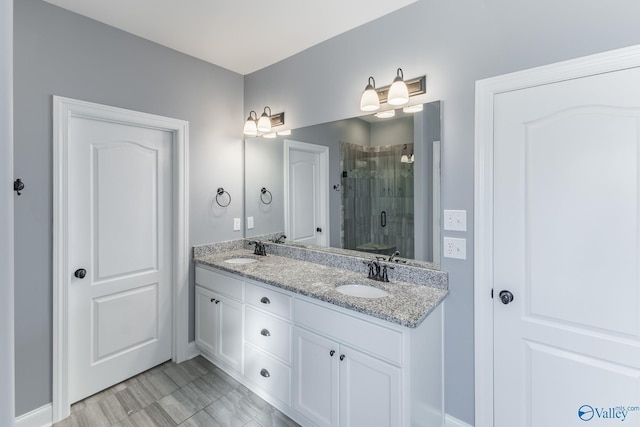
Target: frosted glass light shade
386,114
398,92
250,128
264,123
404,158
369,101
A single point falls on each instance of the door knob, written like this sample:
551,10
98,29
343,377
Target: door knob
80,273
506,297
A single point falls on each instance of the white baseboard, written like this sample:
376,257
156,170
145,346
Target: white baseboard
41,417
192,350
450,421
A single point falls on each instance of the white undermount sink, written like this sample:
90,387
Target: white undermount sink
361,291
240,260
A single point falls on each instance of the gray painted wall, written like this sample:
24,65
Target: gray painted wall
7,395
455,43
58,52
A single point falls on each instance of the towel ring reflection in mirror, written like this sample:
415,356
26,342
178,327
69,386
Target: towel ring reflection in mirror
220,195
265,196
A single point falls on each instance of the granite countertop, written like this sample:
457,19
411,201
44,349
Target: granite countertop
407,304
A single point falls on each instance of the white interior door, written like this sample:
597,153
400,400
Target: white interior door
120,233
307,197
566,235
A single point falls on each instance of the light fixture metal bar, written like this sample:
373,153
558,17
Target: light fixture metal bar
416,86
277,119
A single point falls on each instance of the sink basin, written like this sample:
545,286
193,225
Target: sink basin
240,260
361,291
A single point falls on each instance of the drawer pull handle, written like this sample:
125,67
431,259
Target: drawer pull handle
265,373
265,333
332,352
342,356
265,300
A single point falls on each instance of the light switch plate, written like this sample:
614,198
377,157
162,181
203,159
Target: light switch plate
455,248
455,220
249,222
236,224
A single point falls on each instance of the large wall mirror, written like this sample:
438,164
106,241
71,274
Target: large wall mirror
367,184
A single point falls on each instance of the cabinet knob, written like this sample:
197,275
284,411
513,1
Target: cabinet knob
265,300
215,300
265,333
80,273
342,356
265,373
332,352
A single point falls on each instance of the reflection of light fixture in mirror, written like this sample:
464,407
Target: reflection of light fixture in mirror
264,122
284,132
385,114
250,127
269,135
398,92
370,100
405,158
413,108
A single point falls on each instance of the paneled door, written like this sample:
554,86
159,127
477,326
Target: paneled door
566,300
120,239
307,198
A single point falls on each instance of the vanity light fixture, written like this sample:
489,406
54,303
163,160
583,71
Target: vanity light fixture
253,125
413,108
250,127
386,114
370,101
398,92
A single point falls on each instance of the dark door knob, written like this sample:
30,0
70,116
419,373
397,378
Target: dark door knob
80,273
506,297
319,229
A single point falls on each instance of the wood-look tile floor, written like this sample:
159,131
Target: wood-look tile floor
190,394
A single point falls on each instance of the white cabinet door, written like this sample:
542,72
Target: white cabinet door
316,377
205,320
370,393
229,345
219,327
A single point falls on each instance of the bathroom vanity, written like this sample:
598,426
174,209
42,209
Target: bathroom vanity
282,327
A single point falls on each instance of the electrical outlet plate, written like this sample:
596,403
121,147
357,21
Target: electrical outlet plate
455,220
236,224
455,248
249,222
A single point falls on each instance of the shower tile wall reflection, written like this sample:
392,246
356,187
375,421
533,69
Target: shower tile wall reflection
377,198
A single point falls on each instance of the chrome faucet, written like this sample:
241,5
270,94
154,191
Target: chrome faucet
260,248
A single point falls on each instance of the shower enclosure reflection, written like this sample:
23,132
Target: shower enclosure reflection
383,185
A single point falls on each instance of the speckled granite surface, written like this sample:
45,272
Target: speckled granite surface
407,304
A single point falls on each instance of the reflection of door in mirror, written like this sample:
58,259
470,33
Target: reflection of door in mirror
377,198
306,193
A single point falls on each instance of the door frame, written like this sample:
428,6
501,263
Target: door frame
486,90
63,110
323,152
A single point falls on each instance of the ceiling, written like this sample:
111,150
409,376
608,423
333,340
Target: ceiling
240,35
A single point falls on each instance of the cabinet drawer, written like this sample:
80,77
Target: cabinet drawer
268,333
372,338
220,283
268,300
269,374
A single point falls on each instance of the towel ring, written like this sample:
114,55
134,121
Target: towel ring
263,194
221,191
